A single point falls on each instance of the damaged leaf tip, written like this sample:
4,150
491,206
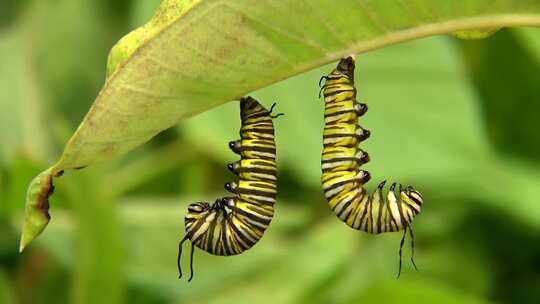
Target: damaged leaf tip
36,212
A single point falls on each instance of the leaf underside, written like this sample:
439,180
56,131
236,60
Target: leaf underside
195,55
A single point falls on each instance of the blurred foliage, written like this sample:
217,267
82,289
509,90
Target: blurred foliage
10,11
456,119
510,107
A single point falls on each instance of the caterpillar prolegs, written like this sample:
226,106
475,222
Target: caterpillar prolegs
234,224
342,179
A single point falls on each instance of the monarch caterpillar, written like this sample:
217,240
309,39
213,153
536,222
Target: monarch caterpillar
234,224
343,180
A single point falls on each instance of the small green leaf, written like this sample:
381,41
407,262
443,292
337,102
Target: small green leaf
36,212
195,55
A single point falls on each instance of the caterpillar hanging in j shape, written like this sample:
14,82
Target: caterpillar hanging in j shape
342,179
232,225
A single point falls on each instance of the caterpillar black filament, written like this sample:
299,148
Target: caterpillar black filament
234,224
342,179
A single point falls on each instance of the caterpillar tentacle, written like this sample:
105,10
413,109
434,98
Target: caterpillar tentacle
191,262
180,255
412,248
272,109
342,179
232,225
401,250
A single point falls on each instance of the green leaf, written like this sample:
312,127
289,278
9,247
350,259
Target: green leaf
195,55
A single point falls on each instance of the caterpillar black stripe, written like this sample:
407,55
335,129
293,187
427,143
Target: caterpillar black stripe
234,224
342,179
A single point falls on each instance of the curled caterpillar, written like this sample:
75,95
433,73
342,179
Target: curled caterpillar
234,224
343,180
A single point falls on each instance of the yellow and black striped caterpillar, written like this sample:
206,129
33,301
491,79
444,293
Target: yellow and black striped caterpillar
343,180
234,224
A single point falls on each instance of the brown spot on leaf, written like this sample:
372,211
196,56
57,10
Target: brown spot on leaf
43,197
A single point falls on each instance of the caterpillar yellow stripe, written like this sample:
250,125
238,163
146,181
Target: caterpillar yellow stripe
232,225
342,179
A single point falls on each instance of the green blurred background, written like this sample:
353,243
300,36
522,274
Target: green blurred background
457,119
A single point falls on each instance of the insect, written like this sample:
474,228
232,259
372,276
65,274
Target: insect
342,179
234,224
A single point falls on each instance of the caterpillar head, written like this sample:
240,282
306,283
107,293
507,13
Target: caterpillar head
346,67
198,207
197,211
